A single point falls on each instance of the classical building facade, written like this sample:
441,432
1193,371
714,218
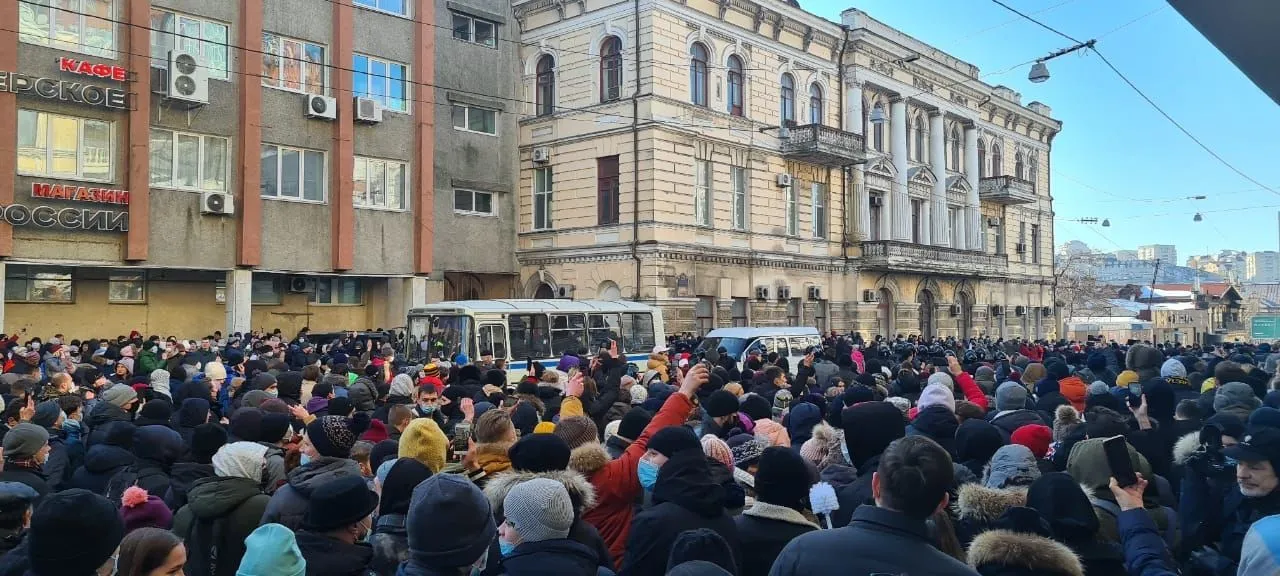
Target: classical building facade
750,163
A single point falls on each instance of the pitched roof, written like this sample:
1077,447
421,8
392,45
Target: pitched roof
1214,289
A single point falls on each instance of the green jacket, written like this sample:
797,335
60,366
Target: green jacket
220,513
147,362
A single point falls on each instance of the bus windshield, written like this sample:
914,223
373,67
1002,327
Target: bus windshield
449,335
733,346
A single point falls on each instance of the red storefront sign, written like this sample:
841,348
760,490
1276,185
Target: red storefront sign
79,193
86,68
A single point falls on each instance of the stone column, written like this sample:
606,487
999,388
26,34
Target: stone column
972,213
941,231
853,107
239,301
861,205
404,294
899,204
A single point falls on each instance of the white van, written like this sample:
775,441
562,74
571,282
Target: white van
788,341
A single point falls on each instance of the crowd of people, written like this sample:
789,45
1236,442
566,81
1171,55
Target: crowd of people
261,454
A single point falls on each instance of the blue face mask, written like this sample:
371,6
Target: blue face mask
274,393
426,408
506,548
304,460
648,474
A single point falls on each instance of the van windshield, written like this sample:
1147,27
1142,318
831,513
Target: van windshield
733,346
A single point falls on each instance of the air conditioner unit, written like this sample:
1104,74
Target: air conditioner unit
564,291
1020,311
1046,311
322,107
1020,248
300,284
368,111
541,155
187,79
762,292
219,203
784,293
784,180
997,310
955,310
993,221
815,292
870,296
877,200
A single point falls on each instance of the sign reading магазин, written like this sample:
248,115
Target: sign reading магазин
65,90
79,193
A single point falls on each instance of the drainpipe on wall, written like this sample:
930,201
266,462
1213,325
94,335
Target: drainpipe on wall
635,156
844,175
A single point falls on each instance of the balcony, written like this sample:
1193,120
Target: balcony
908,257
1007,190
823,145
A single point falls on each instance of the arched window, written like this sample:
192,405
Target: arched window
982,159
788,111
611,69
816,109
1019,167
921,138
698,74
877,128
956,160
997,165
1033,167
735,86
546,94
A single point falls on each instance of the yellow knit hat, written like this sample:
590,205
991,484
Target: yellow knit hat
1209,384
544,428
1126,378
425,442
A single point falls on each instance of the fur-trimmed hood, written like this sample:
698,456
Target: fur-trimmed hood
588,458
580,490
780,513
979,503
1023,553
1185,447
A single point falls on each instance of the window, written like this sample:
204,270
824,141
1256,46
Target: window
397,7
997,163
188,161
474,202
601,328
1022,241
493,338
739,310
292,173
702,192
38,284
529,336
637,331
342,291
542,187
792,214
1019,167
877,211
127,288
607,190
205,38
611,69
956,160
788,101
1000,238
568,333
1035,243
877,135
382,80
982,159
815,104
546,95
380,184
475,30
698,74
920,136
291,64
1033,167
705,312
83,26
63,146
473,119
917,221
265,291
735,86
740,183
818,198
953,219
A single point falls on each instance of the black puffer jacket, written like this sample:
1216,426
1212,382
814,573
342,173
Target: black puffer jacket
183,476
100,464
329,557
1008,422
102,414
560,557
157,449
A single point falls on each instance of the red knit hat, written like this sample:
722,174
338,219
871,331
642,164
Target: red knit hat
376,433
1037,437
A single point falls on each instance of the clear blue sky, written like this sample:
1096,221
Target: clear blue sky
1115,150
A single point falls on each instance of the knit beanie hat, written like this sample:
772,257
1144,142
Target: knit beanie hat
1065,418
937,394
577,430
638,394
783,478
755,407
1033,373
1099,388
272,549
205,442
539,453
773,433
402,476
1011,396
47,414
246,425
460,541
160,381
119,395
705,546
141,510
383,451
673,439
215,371
539,509
1235,394
634,423
24,440
611,429
718,450
746,450
721,403
1173,367
376,433
423,441
1126,378
544,428
240,460
274,427
76,513
944,379
1036,437
334,436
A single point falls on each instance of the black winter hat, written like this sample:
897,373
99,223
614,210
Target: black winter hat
119,434
496,378
397,489
262,381
783,478
524,418
721,403
756,407
673,439
340,406
342,501
273,427
527,388
869,428
205,442
334,436
633,423
540,453
1059,498
383,451
246,425
89,518
157,409
1024,520
858,394
702,544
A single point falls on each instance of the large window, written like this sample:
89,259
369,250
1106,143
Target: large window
1035,243
917,221
702,192
475,30
205,38
292,173
997,161
607,193
295,65
83,26
546,94
637,331
877,136
1033,167
876,213
982,159
816,108
818,197
474,203
601,328
188,161
1019,166
265,291
474,119
792,215
736,92
344,291
611,69
568,333
956,158
380,184
38,284
397,7
741,182
698,57
920,137
542,187
382,80
127,288
788,101
63,146
529,336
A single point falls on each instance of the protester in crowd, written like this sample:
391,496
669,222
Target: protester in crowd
272,549
325,452
16,503
337,522
782,483
151,552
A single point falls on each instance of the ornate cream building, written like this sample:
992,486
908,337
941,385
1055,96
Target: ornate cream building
772,167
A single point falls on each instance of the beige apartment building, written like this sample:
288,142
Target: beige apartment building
749,163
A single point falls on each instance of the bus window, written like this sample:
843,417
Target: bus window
567,333
450,335
528,336
637,332
493,339
601,328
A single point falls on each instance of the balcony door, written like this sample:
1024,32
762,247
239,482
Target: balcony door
927,307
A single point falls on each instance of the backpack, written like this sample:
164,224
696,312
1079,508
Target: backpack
1170,535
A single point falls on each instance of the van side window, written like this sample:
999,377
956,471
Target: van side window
529,336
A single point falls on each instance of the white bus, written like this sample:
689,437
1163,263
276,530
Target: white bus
543,330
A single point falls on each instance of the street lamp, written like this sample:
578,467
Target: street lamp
1039,72
877,114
